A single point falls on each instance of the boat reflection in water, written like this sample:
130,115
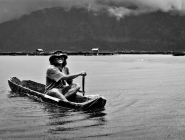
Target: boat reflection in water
59,122
70,124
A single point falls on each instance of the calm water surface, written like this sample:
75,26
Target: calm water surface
145,99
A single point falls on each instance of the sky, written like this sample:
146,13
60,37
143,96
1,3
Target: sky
12,9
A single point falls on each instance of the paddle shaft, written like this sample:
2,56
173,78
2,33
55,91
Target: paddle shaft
83,84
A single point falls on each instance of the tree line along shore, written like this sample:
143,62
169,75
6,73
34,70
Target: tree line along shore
180,53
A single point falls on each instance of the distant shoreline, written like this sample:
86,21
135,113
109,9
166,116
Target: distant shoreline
91,53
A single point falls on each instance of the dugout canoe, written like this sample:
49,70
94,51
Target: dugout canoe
35,90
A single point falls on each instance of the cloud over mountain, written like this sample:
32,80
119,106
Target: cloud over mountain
11,9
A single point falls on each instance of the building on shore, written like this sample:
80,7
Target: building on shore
39,51
95,51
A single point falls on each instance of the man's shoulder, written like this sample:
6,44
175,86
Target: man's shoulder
52,68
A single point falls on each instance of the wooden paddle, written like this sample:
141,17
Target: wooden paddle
83,85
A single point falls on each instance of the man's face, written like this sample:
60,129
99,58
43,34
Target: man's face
59,60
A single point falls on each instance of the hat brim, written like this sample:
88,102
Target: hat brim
58,55
61,55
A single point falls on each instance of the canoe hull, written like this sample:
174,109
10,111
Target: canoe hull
81,103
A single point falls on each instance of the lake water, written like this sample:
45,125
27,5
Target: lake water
145,99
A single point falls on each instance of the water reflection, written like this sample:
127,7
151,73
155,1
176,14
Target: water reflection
62,119
11,94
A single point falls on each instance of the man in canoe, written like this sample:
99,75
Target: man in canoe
59,82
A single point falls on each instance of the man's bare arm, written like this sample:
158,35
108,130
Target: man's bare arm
73,76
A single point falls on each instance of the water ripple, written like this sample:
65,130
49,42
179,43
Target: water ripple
145,100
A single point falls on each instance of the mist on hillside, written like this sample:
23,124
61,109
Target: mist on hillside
12,9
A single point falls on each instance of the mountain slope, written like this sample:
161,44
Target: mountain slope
80,30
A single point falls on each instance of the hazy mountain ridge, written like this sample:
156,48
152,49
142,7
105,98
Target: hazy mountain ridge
80,30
